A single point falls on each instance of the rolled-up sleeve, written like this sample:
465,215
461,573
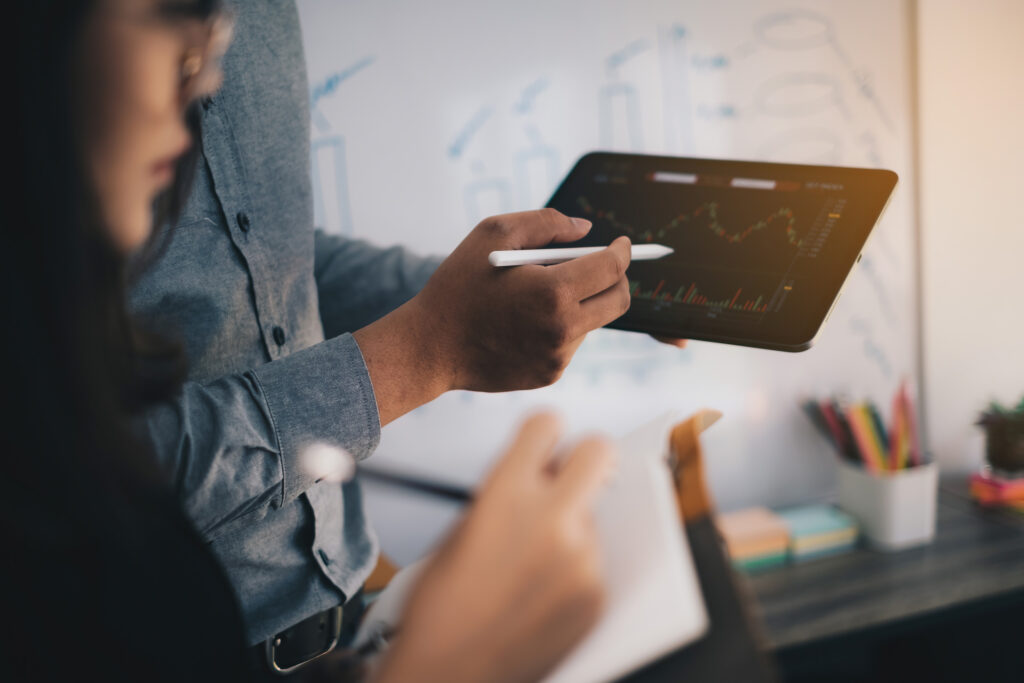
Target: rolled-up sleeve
234,447
358,282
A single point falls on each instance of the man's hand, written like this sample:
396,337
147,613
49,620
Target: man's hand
517,328
482,328
671,341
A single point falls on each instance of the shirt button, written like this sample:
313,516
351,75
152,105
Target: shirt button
207,102
323,556
279,335
243,221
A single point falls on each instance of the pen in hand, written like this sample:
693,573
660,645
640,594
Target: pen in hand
525,257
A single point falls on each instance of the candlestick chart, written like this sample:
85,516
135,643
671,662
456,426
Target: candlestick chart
731,256
738,253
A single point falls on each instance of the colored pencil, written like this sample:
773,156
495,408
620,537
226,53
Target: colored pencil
844,425
862,434
879,434
914,442
839,436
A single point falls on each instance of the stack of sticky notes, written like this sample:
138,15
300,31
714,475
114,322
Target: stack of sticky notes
990,489
756,538
818,530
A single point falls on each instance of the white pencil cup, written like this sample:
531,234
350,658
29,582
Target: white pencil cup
895,510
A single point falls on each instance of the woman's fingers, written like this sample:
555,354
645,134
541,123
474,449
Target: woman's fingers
584,473
532,448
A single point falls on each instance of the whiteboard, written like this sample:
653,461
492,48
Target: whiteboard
428,116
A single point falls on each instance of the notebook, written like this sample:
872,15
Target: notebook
654,604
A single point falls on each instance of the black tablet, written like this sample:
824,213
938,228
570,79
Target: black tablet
761,249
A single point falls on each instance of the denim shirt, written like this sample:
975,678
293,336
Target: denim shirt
251,291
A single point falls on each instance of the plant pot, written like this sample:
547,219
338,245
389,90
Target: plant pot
1004,445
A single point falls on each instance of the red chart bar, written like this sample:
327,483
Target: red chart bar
657,289
733,303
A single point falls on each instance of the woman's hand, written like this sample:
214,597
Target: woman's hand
518,583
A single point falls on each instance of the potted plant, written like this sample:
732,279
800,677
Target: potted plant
1004,437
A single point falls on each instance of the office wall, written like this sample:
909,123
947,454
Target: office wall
971,74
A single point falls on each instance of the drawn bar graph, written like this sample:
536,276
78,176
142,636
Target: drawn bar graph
691,295
619,117
331,207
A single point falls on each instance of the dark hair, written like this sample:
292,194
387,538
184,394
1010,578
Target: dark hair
64,283
97,551
77,366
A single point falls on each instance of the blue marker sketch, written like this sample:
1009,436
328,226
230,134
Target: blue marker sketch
331,208
329,86
468,131
802,29
867,267
794,30
620,57
805,146
717,111
869,142
619,117
872,351
678,110
486,196
611,356
710,62
800,94
536,169
529,95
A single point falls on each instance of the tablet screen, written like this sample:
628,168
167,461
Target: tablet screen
760,250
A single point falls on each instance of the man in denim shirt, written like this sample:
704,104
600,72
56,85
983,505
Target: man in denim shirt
296,337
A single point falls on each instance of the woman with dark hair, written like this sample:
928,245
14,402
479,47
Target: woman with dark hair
99,559
104,576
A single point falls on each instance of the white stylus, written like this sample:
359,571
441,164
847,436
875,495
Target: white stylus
527,257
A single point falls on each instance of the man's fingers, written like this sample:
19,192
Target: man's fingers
594,273
671,341
585,472
533,446
537,229
601,309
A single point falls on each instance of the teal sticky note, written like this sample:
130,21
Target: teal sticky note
811,520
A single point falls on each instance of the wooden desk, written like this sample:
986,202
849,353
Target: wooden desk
976,555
